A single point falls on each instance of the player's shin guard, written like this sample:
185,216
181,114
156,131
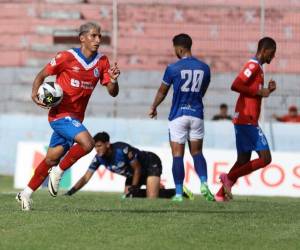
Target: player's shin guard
246,169
200,167
74,154
178,174
40,174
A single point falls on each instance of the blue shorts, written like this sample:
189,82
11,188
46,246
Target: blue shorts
65,130
250,138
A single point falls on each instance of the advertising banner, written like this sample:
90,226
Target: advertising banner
280,178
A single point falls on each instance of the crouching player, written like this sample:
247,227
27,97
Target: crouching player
139,168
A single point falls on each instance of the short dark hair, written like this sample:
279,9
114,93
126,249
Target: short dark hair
266,43
183,40
223,105
101,136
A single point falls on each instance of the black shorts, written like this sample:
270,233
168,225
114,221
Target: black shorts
151,166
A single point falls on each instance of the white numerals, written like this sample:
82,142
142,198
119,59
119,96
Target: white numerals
247,72
193,80
187,75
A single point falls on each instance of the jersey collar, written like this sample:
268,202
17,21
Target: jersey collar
256,60
86,60
86,63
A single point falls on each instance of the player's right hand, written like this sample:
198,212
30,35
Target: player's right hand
37,101
152,112
114,72
272,85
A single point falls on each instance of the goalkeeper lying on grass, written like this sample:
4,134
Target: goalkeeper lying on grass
139,168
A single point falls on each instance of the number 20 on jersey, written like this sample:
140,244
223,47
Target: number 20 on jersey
193,80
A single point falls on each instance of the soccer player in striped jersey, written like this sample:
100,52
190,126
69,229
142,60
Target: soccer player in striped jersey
190,78
77,71
249,136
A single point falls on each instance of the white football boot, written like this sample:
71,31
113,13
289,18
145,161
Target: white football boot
26,202
54,179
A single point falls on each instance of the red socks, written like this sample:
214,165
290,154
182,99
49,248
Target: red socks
74,154
246,169
40,174
221,190
238,171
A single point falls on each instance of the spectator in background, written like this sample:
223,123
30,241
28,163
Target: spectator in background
292,116
223,115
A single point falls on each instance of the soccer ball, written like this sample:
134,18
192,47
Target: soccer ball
50,93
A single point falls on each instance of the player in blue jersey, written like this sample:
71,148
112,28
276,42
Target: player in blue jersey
190,78
139,168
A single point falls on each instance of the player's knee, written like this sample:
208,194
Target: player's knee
153,184
51,162
152,194
88,146
196,152
267,159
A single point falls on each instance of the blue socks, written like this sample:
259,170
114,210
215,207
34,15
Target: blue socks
178,174
200,167
178,171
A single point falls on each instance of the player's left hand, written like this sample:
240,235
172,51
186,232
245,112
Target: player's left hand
114,72
272,85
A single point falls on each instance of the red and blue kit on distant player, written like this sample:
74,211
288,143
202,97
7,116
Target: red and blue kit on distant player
248,134
78,77
247,83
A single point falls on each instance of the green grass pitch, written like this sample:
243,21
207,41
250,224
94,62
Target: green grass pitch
90,220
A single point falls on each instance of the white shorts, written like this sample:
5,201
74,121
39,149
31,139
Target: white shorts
186,128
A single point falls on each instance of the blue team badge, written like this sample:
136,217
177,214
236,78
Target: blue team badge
96,72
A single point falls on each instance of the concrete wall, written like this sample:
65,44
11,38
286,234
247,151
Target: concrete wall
219,135
137,91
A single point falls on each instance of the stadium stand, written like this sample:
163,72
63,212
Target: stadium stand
224,32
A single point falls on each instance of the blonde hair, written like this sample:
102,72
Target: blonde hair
85,28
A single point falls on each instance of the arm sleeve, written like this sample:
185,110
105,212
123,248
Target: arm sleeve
167,79
94,164
242,83
206,81
131,153
103,68
57,63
